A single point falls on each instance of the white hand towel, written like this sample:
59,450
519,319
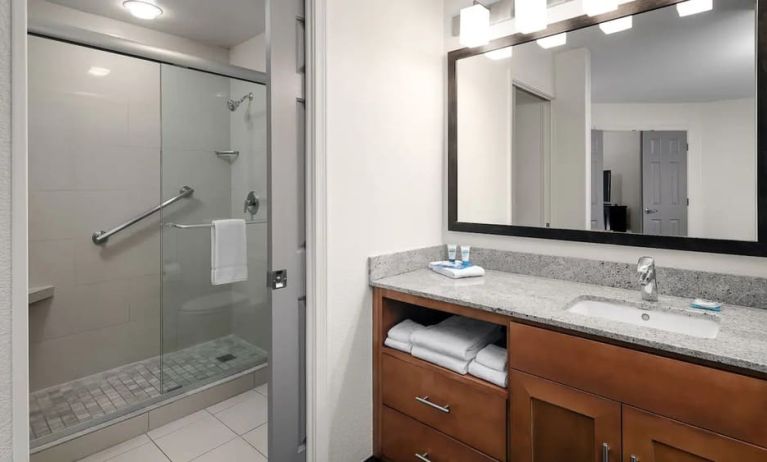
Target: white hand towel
457,336
404,330
494,357
472,271
448,362
490,375
397,345
228,252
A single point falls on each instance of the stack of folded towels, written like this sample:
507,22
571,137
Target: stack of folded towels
491,364
399,335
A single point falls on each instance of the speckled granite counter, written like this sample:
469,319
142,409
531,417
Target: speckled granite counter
741,343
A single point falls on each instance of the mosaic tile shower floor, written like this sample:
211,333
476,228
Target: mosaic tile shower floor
78,404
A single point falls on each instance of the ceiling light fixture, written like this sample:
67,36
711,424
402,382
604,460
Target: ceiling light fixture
694,7
497,55
595,7
99,71
142,10
530,15
475,26
553,40
617,25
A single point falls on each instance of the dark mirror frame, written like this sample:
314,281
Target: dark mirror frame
752,248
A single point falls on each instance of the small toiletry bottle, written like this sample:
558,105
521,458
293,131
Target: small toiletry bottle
465,254
451,251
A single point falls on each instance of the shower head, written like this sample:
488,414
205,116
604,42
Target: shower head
233,105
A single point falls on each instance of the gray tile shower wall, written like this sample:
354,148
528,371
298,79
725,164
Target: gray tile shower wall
725,288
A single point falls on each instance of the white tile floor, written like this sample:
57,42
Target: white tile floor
234,430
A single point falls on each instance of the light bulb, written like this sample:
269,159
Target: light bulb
475,26
142,10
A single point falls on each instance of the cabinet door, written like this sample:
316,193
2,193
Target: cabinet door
554,423
651,438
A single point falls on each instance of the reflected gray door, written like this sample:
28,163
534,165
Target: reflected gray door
597,181
664,183
287,249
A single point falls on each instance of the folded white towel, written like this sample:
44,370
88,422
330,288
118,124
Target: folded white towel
448,362
404,330
228,252
397,345
472,271
493,357
490,375
457,336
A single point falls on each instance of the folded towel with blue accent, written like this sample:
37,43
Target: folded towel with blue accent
457,270
459,337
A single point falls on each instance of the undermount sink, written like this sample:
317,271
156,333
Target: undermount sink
694,325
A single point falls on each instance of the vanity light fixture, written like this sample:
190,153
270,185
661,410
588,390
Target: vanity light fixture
596,7
497,55
475,26
530,15
694,7
142,10
553,40
99,71
617,25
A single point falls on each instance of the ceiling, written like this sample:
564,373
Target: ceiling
222,23
665,58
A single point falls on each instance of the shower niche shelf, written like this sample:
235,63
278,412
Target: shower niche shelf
40,293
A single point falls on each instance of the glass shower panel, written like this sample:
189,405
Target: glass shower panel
213,141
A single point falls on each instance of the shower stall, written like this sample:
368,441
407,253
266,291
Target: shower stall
131,161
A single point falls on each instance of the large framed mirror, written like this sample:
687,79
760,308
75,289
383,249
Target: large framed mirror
638,127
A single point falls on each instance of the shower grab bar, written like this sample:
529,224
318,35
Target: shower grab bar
209,225
102,237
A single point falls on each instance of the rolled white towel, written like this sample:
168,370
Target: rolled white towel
493,357
448,362
457,336
402,331
397,345
489,375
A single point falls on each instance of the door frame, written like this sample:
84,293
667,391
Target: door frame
316,205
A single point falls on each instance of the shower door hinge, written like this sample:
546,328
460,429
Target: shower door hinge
278,279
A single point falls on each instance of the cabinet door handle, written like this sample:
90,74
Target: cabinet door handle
423,457
634,458
605,452
425,400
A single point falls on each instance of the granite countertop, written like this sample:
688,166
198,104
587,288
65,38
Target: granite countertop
742,339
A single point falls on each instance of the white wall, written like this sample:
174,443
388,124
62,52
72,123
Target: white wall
46,12
385,93
6,396
721,165
250,54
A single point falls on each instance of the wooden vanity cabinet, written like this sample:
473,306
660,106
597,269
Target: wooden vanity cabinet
555,423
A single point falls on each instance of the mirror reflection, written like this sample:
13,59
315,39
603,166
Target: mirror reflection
643,125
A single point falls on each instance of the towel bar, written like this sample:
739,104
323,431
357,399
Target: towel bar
208,225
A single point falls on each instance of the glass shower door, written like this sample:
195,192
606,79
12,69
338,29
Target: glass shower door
214,142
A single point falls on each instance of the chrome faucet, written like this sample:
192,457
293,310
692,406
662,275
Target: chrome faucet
647,279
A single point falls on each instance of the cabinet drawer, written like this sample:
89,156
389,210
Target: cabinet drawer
723,402
404,437
472,413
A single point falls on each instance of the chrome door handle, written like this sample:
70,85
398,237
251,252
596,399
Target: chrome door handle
605,452
423,457
425,400
650,211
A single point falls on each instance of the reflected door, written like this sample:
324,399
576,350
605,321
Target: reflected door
664,182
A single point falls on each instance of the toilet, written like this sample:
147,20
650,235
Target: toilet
208,317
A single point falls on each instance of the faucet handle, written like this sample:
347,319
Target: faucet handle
645,264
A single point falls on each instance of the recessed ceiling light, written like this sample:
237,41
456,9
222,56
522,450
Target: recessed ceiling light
617,25
142,10
99,71
503,53
553,40
694,6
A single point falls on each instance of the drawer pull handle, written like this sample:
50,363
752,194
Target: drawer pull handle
634,459
425,400
423,457
605,452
